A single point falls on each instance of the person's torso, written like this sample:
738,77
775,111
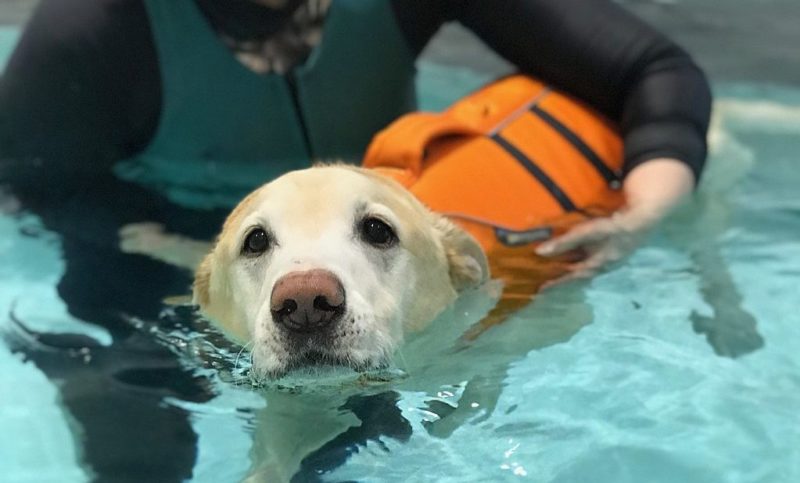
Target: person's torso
224,129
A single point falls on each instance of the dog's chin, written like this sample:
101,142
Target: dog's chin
316,361
341,346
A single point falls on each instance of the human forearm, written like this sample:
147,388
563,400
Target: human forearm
653,188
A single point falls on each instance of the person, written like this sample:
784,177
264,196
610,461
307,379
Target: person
119,111
94,83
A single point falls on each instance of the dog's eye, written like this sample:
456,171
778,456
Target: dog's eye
378,233
257,242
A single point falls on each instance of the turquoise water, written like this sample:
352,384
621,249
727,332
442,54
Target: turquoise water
8,37
678,364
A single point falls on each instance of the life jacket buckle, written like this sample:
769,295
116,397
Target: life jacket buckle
515,238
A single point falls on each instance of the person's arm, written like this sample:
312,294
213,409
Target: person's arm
80,89
652,190
650,87
606,56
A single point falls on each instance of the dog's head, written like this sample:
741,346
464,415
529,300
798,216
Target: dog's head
332,265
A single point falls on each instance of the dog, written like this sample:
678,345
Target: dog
333,265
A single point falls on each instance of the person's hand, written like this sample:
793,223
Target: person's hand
651,190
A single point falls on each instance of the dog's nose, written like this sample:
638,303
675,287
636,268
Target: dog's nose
307,301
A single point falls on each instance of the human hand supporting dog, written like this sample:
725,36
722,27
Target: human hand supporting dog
652,190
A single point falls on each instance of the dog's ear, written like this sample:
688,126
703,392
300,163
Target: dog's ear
465,257
219,310
201,288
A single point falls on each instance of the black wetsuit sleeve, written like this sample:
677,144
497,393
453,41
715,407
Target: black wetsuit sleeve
82,86
597,51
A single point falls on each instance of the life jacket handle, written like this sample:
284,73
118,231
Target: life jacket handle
400,149
403,145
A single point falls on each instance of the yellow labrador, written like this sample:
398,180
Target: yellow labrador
333,265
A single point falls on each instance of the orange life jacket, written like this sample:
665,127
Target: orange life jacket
511,163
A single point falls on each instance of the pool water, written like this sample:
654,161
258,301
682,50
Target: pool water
677,364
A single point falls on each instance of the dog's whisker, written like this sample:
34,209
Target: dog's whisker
252,374
239,355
